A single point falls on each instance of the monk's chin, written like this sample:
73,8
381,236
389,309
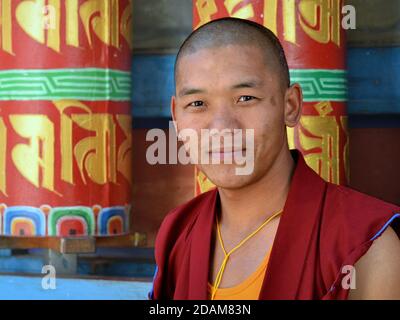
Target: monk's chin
227,178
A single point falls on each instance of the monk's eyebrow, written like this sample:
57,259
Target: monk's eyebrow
190,91
186,91
248,84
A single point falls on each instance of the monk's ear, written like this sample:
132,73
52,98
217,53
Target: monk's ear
293,105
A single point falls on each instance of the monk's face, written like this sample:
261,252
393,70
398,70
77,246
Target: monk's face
225,89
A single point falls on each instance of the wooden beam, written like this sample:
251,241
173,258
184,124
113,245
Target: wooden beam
73,244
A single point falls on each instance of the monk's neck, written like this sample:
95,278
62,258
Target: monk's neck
245,208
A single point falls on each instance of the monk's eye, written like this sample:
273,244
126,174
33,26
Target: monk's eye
245,98
196,104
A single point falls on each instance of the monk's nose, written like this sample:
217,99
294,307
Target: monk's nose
224,118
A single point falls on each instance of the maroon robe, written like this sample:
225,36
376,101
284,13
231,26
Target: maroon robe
323,228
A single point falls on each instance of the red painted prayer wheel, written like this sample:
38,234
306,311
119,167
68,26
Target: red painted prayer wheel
65,121
314,41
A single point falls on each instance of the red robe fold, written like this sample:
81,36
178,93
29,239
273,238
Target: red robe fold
323,228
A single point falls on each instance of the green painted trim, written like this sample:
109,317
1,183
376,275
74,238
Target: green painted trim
91,84
83,212
321,84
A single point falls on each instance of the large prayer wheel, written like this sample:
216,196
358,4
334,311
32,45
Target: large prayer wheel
314,42
65,123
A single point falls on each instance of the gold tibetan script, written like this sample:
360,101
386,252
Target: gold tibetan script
245,12
319,19
319,138
6,26
124,156
98,155
207,8
41,21
38,154
92,153
102,18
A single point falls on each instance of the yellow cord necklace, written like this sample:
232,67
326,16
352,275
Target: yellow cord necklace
227,255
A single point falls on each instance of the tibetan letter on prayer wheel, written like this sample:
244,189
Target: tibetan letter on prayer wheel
65,124
311,34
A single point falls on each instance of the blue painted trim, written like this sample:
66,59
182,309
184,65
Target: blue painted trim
397,215
32,213
21,264
152,84
373,80
106,214
5,253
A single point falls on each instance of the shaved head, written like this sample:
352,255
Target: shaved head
234,31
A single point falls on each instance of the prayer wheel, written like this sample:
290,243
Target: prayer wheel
314,42
65,120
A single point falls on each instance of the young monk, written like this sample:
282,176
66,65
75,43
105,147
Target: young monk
280,232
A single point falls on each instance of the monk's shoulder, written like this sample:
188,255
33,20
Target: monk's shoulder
351,217
350,221
377,275
352,207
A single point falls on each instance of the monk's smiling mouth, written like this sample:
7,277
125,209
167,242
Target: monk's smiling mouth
222,155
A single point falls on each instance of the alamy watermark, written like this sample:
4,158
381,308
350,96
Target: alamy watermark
349,280
203,147
49,279
349,19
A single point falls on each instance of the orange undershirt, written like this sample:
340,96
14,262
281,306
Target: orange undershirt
249,289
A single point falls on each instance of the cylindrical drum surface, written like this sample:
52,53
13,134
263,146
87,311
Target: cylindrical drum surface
65,123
